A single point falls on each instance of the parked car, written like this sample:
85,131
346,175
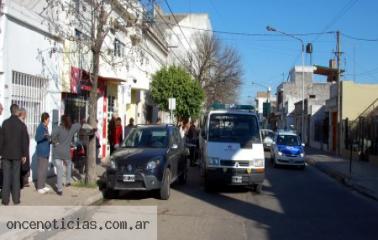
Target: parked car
287,149
267,136
151,157
232,152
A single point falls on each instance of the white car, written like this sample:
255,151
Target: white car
287,150
267,136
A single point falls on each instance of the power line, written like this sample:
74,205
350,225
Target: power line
338,16
157,28
182,32
250,34
359,38
162,34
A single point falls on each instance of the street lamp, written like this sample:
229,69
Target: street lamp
271,29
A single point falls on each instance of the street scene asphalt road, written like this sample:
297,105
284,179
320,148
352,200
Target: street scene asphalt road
295,204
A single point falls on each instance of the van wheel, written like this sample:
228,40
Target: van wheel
165,190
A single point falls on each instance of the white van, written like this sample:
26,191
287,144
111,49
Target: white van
232,151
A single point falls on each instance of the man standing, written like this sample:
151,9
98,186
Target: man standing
14,152
129,127
25,167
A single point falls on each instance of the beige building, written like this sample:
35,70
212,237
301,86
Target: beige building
356,102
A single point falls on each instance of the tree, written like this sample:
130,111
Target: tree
217,68
87,24
176,82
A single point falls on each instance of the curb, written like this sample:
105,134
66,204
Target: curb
343,179
93,199
340,177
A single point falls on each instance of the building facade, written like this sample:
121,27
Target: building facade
44,72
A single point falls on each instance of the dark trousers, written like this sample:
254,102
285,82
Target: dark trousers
11,181
43,164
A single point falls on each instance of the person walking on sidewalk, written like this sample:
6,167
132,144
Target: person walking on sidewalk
25,168
62,138
14,152
43,139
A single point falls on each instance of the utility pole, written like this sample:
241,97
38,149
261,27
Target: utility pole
339,92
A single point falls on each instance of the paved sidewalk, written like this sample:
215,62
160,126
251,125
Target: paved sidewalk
364,177
75,198
72,196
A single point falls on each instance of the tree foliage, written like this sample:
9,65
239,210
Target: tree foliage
175,82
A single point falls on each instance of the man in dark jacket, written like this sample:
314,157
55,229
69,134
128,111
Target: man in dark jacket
14,152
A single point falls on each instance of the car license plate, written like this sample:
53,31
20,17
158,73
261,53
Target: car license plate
128,178
237,179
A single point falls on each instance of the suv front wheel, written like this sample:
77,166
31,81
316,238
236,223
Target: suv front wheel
165,190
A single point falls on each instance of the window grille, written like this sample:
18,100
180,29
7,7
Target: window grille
29,92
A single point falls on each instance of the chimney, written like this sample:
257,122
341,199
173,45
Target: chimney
332,63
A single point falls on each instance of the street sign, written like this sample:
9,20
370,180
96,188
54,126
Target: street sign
172,104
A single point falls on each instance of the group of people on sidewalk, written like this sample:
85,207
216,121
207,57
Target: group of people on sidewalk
14,153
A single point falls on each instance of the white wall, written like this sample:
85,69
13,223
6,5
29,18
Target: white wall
26,48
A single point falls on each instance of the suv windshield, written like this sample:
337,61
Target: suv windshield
288,140
239,128
147,138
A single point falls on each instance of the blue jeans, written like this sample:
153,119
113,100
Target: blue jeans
59,164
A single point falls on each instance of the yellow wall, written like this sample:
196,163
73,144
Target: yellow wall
356,98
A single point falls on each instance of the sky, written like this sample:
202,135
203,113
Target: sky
267,60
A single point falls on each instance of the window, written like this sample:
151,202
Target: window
111,106
119,48
147,138
29,92
239,128
288,140
312,96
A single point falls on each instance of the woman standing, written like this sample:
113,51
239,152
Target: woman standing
62,138
118,133
42,138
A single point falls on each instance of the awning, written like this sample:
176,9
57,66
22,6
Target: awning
80,81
